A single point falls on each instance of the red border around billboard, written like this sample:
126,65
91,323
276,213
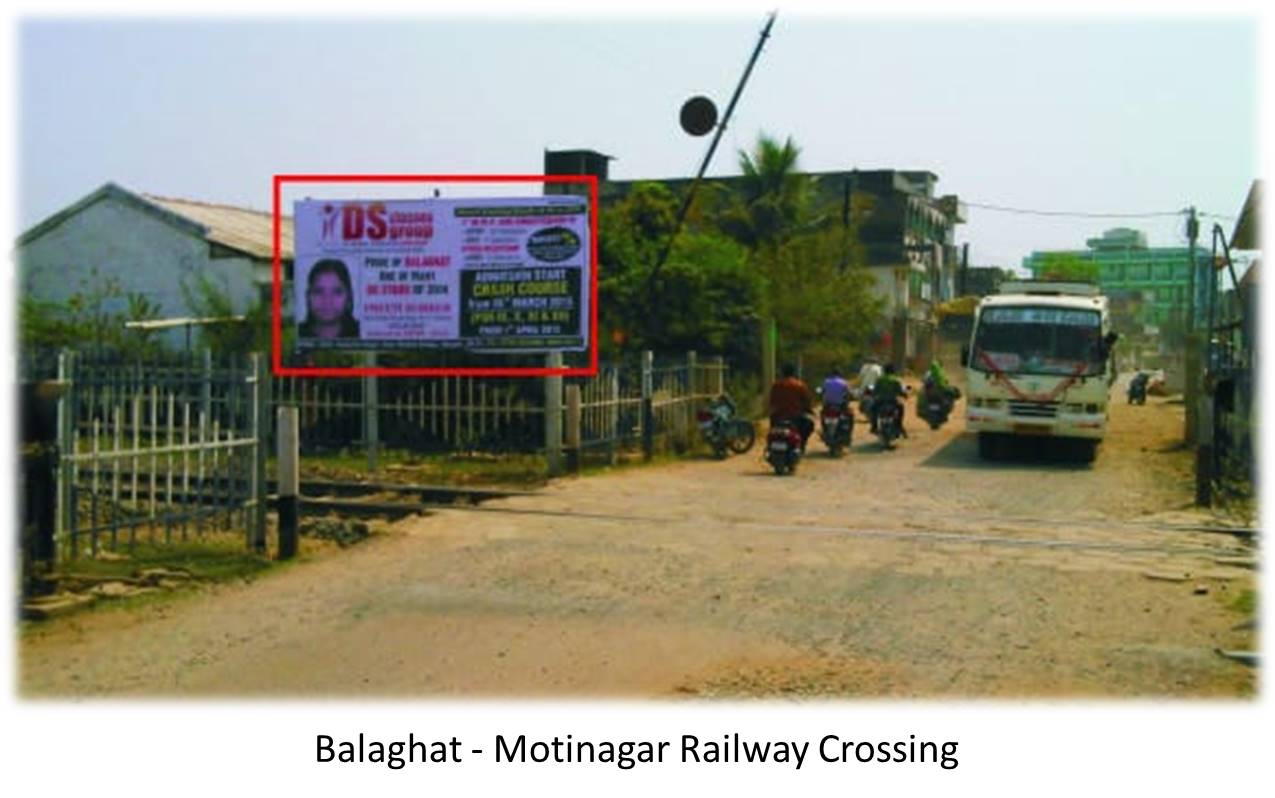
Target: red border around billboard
276,326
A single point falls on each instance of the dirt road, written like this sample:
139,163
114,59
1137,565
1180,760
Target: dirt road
917,572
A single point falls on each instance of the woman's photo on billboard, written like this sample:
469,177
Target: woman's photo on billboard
329,302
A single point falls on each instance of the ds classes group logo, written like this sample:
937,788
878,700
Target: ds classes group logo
553,244
355,222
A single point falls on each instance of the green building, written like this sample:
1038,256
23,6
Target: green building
1153,282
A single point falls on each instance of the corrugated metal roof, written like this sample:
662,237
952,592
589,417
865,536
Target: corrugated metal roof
242,229
1247,229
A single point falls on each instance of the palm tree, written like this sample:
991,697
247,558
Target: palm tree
773,199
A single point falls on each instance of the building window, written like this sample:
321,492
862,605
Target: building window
1138,271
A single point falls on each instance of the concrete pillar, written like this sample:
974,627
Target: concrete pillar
648,409
769,345
572,437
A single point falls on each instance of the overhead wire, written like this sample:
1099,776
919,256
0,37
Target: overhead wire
1077,214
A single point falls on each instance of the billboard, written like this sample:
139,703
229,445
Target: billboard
495,275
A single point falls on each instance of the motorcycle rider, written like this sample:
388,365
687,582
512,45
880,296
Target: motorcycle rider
869,373
888,389
835,391
937,377
792,400
1138,386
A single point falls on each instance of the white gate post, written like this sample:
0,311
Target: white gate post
260,408
64,520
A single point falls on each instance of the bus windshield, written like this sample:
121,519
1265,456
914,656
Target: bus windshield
1038,340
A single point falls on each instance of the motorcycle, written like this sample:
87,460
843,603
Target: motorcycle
836,426
865,402
936,403
722,431
783,447
1138,388
889,424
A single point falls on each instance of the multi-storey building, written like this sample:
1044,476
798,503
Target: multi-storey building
1153,281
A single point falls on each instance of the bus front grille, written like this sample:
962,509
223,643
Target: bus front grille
1034,409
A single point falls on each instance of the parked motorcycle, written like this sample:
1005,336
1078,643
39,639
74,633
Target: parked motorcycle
836,427
783,447
935,403
1138,388
722,431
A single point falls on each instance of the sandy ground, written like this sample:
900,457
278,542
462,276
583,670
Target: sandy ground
917,572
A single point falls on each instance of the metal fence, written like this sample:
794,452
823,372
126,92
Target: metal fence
158,453
1231,357
421,415
641,405
499,416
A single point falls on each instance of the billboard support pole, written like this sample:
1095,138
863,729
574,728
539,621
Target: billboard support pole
553,416
371,411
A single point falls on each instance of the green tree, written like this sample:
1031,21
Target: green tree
816,285
208,300
825,313
703,298
773,200
96,316
1065,266
43,324
632,232
709,300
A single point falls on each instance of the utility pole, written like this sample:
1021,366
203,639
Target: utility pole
1192,234
1191,386
965,269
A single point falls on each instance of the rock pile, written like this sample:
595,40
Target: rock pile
344,532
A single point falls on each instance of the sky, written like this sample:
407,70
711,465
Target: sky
1095,115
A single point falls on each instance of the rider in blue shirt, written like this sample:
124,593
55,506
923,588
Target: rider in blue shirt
835,390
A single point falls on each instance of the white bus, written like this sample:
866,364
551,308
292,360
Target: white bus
1039,363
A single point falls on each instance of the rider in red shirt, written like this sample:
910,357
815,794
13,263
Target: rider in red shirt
792,400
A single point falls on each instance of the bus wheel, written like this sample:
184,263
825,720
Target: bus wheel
987,448
1086,450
